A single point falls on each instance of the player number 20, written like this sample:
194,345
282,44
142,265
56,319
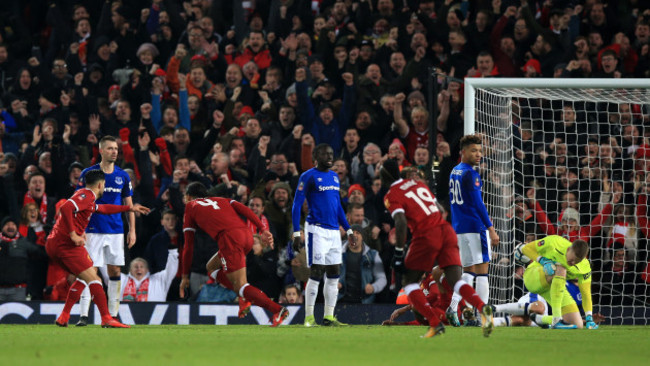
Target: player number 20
423,195
208,202
455,192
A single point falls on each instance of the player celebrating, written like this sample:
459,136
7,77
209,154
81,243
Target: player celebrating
105,233
320,186
556,261
65,245
412,205
471,222
219,218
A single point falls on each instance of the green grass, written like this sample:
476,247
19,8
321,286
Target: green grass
295,345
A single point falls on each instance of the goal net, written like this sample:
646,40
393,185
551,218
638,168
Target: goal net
568,157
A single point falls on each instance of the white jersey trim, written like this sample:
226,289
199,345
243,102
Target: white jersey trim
75,205
397,211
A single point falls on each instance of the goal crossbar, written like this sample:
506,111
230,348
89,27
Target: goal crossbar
471,84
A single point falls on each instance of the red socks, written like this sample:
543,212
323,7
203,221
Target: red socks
74,293
419,302
97,293
257,297
224,281
468,293
99,298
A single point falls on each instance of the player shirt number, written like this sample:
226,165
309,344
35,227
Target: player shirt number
208,202
455,192
422,197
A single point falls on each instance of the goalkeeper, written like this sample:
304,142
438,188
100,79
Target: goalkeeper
556,261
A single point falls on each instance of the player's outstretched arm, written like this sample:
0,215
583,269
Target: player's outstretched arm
396,314
138,208
108,209
247,213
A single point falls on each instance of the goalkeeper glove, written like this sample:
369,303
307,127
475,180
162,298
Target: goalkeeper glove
548,264
398,260
590,322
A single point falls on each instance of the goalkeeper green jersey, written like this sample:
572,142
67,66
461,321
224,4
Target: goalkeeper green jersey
554,247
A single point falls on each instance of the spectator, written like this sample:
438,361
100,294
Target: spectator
278,211
36,187
291,294
620,280
362,272
140,285
167,238
261,268
325,126
15,255
356,216
365,170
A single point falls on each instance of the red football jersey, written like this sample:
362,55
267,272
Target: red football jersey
415,140
418,204
83,202
212,215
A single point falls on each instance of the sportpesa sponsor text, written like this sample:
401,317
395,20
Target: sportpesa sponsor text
328,188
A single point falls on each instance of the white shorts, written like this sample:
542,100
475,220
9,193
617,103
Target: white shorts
474,248
105,249
323,245
530,297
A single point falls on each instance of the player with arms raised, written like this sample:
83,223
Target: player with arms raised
412,206
556,261
320,186
105,233
470,220
219,218
65,245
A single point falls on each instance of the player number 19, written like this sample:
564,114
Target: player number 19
455,192
208,202
423,195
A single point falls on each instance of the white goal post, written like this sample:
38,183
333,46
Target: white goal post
557,150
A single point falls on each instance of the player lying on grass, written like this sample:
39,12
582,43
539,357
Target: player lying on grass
66,245
556,261
437,296
532,306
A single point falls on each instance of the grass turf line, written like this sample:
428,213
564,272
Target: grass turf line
293,345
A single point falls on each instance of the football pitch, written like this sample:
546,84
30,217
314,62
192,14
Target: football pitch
296,345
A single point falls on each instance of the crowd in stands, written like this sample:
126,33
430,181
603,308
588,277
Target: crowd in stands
235,94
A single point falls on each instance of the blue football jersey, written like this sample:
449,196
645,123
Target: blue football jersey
574,291
468,212
118,186
321,189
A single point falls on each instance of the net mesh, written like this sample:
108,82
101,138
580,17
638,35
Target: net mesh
570,162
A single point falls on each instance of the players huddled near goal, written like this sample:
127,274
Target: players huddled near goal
210,96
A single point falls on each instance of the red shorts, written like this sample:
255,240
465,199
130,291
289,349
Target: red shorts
72,258
439,243
233,246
